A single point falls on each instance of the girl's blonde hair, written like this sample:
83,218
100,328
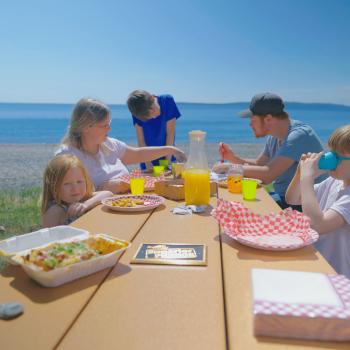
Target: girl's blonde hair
53,177
339,141
87,111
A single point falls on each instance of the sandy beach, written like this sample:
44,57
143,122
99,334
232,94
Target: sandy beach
22,165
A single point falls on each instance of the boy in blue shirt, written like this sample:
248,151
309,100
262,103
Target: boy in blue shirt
154,119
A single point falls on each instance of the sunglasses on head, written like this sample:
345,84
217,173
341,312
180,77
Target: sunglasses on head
330,161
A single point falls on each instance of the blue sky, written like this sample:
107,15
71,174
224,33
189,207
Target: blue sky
197,50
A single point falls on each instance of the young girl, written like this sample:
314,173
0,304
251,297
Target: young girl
327,203
67,191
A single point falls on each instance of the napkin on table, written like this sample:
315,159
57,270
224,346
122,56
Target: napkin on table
303,305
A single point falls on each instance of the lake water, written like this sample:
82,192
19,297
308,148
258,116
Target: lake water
23,123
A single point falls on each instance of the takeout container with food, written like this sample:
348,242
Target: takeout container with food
64,261
14,245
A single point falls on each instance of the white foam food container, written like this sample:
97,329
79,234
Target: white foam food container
58,276
14,245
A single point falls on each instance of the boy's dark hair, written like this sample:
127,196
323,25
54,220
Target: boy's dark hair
139,102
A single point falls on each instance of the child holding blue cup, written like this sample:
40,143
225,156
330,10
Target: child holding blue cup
327,203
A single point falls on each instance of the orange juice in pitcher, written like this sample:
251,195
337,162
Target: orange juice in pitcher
197,173
197,187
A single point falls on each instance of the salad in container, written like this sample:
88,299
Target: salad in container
64,260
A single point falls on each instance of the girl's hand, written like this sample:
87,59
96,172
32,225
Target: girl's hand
308,165
76,209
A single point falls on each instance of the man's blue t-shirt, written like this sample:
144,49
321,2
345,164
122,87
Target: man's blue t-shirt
154,130
301,138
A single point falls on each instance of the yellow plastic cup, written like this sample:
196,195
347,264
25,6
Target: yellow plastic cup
164,163
157,169
249,189
137,185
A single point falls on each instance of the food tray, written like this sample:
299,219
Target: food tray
58,276
11,246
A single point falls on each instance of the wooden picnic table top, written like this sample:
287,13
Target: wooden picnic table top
238,261
155,306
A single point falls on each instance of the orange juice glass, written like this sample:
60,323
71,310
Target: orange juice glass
234,178
234,183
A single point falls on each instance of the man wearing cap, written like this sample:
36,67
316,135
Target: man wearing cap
287,140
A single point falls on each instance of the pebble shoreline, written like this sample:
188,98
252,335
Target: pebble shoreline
23,165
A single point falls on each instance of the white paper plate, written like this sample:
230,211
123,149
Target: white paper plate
150,202
276,242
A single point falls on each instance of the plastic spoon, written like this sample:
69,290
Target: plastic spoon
221,150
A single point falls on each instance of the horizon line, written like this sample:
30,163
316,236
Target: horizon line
186,102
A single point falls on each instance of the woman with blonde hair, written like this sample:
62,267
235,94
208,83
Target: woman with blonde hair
104,157
67,191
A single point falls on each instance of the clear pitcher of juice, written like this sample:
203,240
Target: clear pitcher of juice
197,172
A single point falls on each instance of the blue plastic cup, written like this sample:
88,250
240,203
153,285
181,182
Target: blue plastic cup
328,161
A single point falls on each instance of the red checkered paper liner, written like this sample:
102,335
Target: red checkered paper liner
149,180
287,229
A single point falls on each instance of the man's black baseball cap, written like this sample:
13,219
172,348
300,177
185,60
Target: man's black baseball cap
262,104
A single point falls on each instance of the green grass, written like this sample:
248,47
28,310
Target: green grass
19,212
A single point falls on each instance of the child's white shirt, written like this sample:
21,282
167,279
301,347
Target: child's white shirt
106,165
335,245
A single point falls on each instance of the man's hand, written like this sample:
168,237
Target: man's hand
76,209
226,153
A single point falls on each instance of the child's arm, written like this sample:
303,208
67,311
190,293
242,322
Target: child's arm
141,143
293,194
170,134
322,222
77,209
54,216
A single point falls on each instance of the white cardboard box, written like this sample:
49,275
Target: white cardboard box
14,245
304,305
61,275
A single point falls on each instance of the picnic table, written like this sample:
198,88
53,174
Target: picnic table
133,306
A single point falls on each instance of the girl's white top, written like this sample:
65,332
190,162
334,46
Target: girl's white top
335,245
105,165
